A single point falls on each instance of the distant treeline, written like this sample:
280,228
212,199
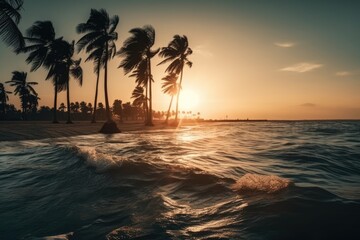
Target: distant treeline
84,111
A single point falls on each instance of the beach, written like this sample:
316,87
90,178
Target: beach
35,130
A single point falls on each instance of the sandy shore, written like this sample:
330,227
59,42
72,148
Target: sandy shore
31,130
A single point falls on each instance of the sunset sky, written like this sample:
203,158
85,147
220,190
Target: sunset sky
252,59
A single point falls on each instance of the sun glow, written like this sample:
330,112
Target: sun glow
188,100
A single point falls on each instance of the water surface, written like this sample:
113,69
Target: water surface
248,180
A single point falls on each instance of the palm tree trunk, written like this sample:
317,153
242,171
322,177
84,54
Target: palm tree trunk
23,107
178,95
24,113
4,104
4,108
168,112
108,116
109,126
146,115
55,102
96,93
149,120
68,102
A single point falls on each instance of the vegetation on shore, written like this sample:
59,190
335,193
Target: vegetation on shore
98,40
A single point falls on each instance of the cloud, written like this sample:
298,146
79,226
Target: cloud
285,44
343,74
203,51
308,105
302,67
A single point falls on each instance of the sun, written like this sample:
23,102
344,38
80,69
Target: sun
188,100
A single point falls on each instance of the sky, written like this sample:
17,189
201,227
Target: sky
251,59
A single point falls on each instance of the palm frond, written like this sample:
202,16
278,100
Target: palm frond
9,18
87,39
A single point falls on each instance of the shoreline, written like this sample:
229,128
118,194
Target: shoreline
36,130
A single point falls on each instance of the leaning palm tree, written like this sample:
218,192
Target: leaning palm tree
41,46
65,67
23,88
99,42
9,19
96,54
3,98
139,98
137,55
170,86
177,52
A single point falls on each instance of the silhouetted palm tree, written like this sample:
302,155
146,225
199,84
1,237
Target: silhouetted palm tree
177,52
137,55
117,109
64,67
33,102
139,98
170,87
96,53
9,18
83,107
99,41
141,79
3,98
42,47
62,107
23,88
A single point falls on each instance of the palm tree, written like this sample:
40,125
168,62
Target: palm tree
62,107
177,52
139,98
3,98
64,67
99,42
23,88
9,19
91,28
170,87
137,55
42,52
33,102
141,79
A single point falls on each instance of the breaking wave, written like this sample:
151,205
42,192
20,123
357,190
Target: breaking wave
261,183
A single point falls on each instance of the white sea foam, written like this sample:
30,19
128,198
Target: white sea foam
100,161
65,236
261,183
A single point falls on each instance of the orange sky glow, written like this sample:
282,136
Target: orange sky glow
247,63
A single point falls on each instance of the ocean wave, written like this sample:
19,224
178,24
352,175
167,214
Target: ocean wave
189,177
66,236
261,183
100,161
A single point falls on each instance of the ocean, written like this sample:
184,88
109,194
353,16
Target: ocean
240,180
